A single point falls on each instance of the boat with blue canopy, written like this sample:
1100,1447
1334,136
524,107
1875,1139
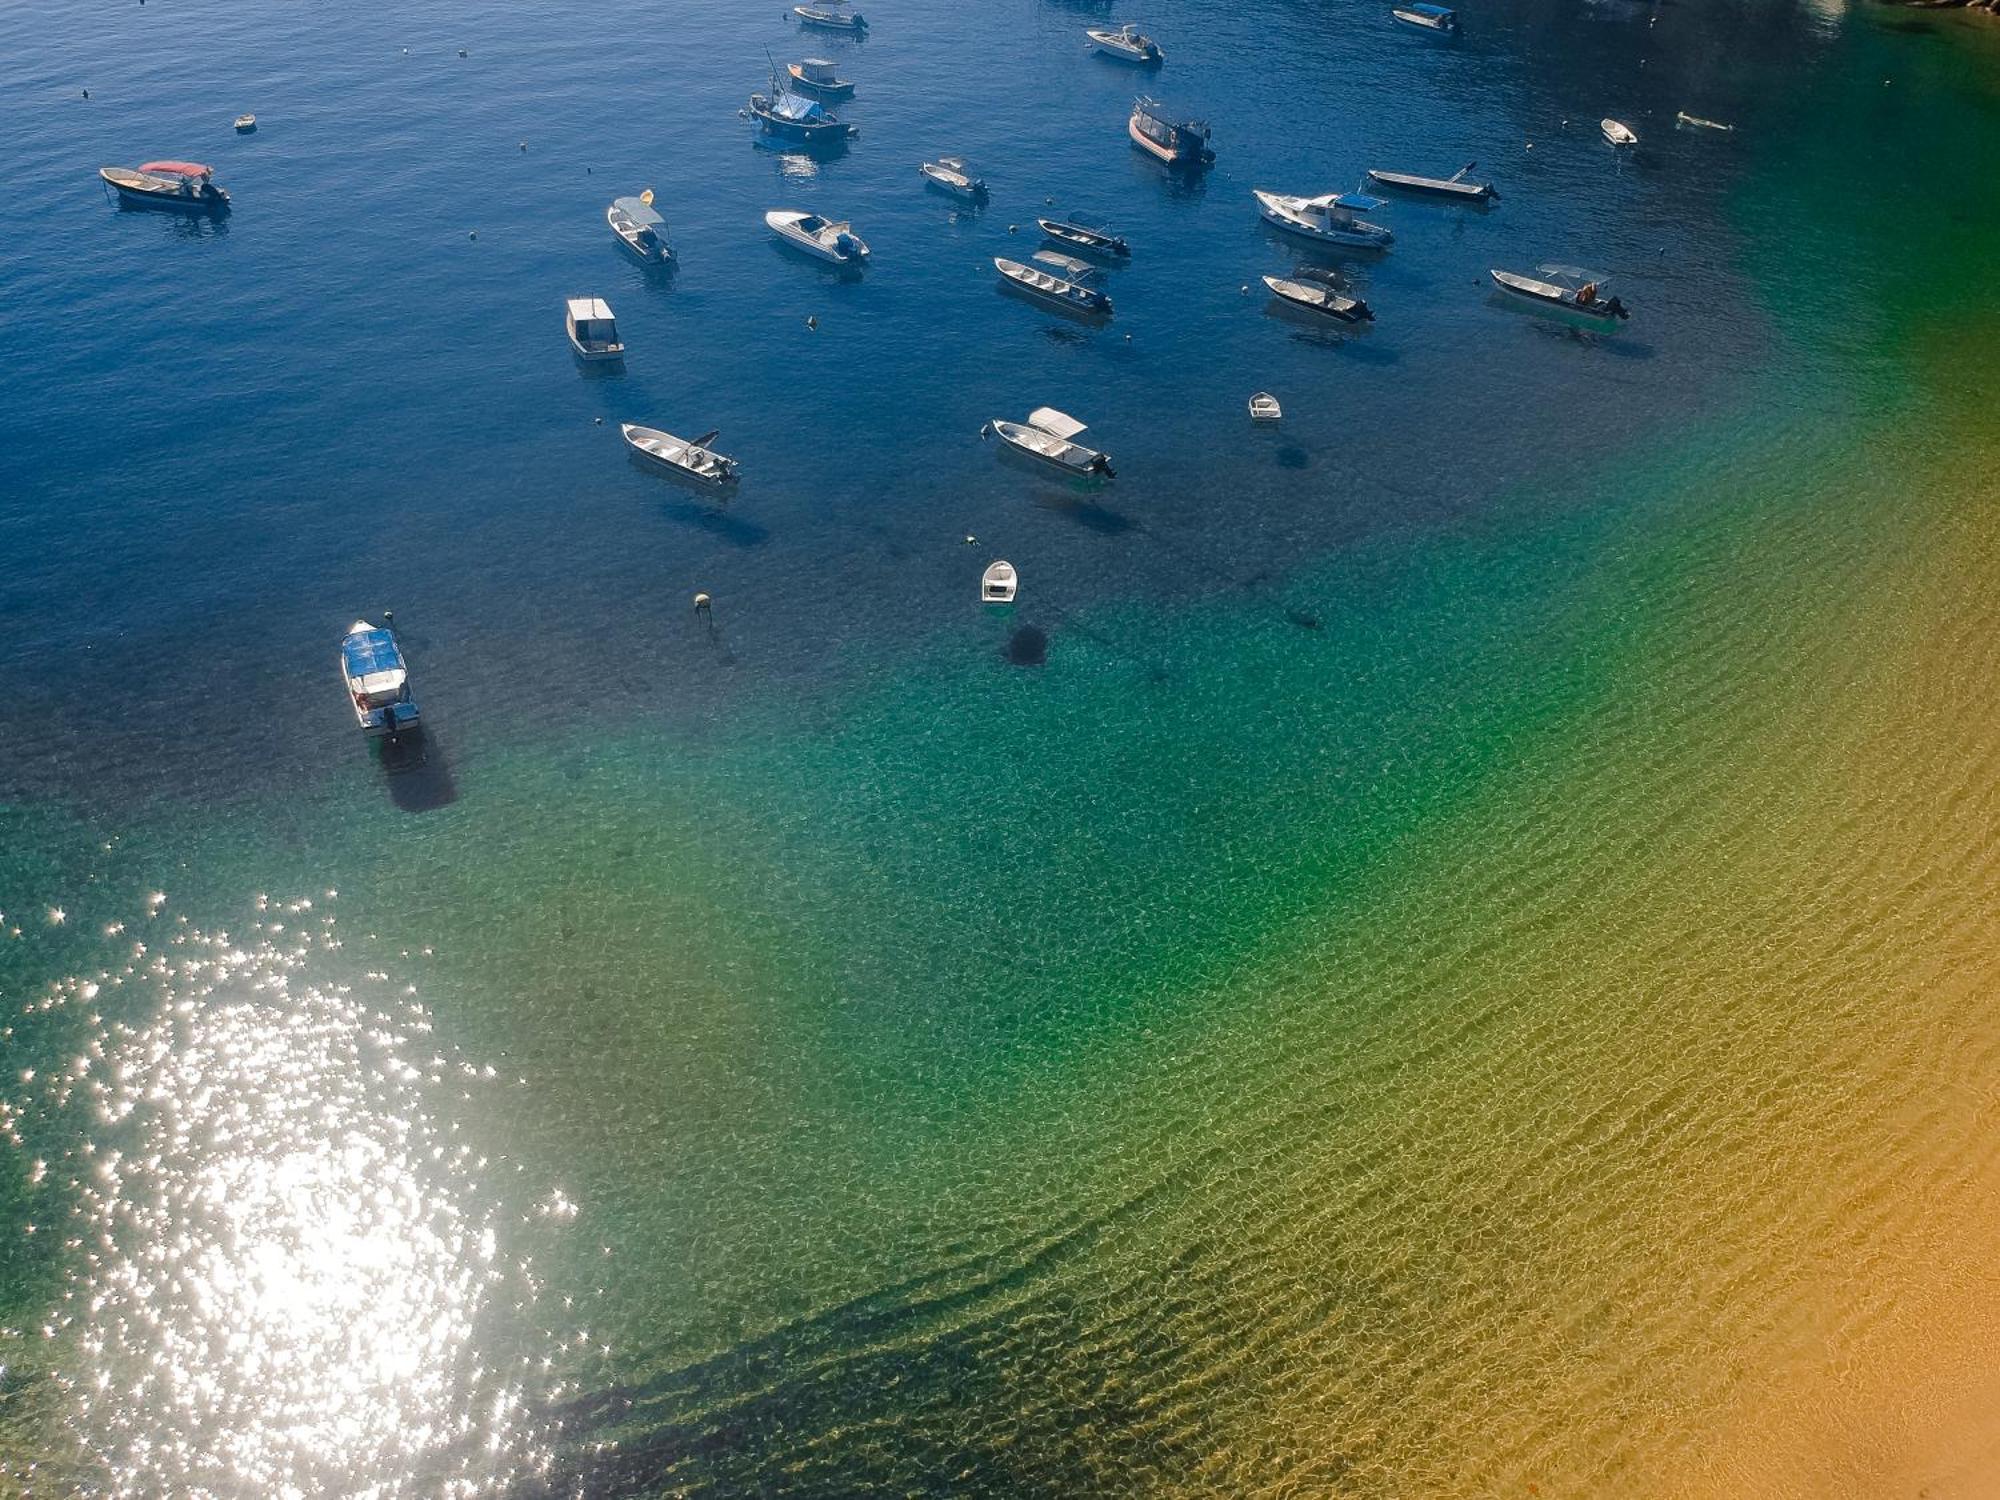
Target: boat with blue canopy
1438,20
640,227
794,117
378,681
1330,218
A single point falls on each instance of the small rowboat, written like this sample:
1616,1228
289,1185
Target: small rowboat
1264,407
1457,186
1618,134
1126,44
245,124
829,17
1081,234
1436,19
689,460
1069,291
948,174
997,583
1046,436
1319,297
1696,122
1575,292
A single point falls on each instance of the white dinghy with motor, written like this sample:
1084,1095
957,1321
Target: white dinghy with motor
997,583
1062,280
689,460
1618,133
1046,436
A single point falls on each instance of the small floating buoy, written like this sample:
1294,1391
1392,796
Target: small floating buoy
597,421
812,322
1049,199
1244,289
1531,145
701,604
1128,338
86,93
472,234
524,145
971,540
461,52
1013,228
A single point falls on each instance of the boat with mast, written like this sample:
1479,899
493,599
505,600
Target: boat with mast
795,117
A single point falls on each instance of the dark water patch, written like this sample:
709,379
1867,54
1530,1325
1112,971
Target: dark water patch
717,522
1028,646
418,773
1291,456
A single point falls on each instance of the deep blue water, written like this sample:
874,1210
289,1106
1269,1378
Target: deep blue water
224,441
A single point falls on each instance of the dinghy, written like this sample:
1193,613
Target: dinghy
1086,235
185,185
1071,290
1571,289
1618,134
997,583
1046,436
1320,296
1696,122
593,332
948,174
1328,218
639,227
245,124
816,76
377,680
1176,143
1457,186
1264,407
1436,19
828,16
1126,44
688,460
817,236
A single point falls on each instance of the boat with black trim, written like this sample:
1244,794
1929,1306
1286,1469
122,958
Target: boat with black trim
1046,436
1569,289
185,185
1063,280
1458,186
1091,236
1329,218
1172,142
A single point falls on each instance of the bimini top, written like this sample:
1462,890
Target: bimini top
1360,201
1437,12
639,211
589,310
176,168
1152,109
371,659
790,106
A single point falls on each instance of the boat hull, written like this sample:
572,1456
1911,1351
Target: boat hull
1552,298
1346,239
1147,57
966,189
1052,291
1073,459
646,445
1185,153
836,90
1436,187
1321,301
166,196
1078,238
850,24
1426,24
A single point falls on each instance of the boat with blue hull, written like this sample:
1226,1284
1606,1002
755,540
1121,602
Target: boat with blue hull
378,681
186,186
794,117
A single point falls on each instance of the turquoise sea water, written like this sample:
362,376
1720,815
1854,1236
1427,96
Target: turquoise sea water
811,1052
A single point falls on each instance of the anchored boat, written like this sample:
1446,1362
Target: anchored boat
1618,134
816,76
997,583
1315,291
1696,122
1328,218
1264,408
593,332
794,117
948,174
1177,143
1087,235
185,185
245,124
1438,20
639,227
1127,44
1046,436
828,16
1457,186
378,681
1569,289
1073,289
688,460
817,236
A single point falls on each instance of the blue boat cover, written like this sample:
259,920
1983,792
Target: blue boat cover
369,651
1440,11
642,214
798,107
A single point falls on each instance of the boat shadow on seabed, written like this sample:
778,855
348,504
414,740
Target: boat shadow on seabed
416,771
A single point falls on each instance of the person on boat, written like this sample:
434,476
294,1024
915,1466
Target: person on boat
1586,294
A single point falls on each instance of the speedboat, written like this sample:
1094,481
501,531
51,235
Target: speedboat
245,124
997,583
1618,134
639,227
1264,407
593,332
1456,186
1072,290
1569,289
185,185
794,117
828,15
1314,290
1436,19
378,680
948,173
689,460
1696,122
1086,235
1178,143
817,236
1126,44
816,76
1046,435
1328,218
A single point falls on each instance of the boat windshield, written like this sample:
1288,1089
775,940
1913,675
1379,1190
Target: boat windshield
811,224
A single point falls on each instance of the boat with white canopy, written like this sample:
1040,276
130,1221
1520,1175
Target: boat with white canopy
1059,279
1457,186
593,332
816,75
1091,236
1176,143
1046,436
949,174
1618,133
829,15
640,227
1314,290
998,583
1569,289
377,681
816,236
1127,44
1329,218
1438,20
685,458
185,185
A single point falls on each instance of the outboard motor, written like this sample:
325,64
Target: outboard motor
844,242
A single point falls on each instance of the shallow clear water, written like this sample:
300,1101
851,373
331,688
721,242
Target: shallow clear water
1435,979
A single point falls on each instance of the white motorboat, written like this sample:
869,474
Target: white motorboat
1319,294
245,124
1569,289
1072,289
948,173
1046,436
377,680
693,460
593,332
639,227
1457,186
1618,134
997,583
829,16
1438,20
1264,407
1329,218
816,236
1127,44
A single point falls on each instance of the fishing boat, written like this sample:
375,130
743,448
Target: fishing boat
1696,122
689,460
1570,289
1046,436
794,117
1059,279
1457,186
185,185
593,332
1318,294
1438,20
377,681
816,236
1618,134
245,124
997,583
816,76
1177,143
829,16
1126,44
1087,235
948,174
639,227
1264,407
1329,218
